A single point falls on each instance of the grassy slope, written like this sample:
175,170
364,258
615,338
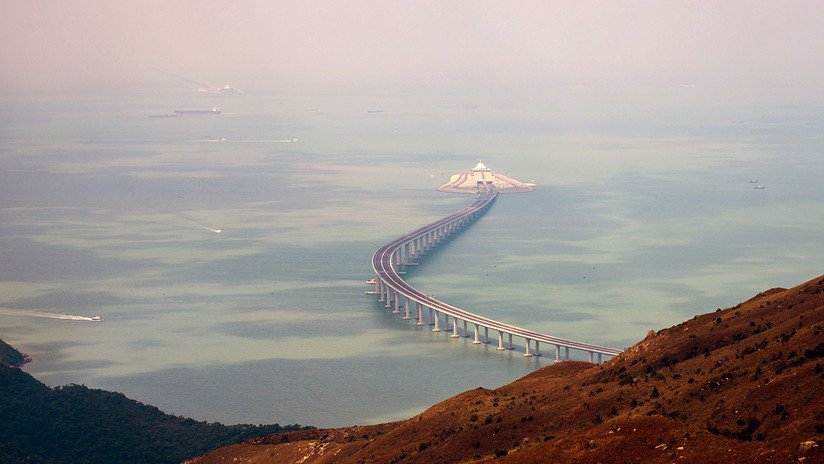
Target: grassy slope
737,385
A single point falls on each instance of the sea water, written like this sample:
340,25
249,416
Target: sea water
643,216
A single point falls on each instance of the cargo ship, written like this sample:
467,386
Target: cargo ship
214,110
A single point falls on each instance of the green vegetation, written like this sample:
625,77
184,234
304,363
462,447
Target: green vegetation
9,356
75,424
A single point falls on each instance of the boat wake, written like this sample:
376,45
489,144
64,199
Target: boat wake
32,313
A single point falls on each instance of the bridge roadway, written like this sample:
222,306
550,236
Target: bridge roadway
392,288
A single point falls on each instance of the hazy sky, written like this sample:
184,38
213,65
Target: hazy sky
443,40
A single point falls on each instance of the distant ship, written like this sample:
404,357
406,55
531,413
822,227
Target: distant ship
170,115
214,110
97,318
225,89
760,187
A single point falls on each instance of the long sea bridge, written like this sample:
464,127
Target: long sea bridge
428,310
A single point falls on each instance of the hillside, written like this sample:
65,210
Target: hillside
9,356
75,424
736,385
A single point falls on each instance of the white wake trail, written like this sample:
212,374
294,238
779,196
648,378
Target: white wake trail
32,313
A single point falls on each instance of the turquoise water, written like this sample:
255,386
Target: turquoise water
644,216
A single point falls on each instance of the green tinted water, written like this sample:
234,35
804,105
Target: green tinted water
644,216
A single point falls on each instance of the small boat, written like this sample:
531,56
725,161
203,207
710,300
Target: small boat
760,187
97,318
753,181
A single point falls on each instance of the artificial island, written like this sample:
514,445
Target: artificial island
481,176
392,259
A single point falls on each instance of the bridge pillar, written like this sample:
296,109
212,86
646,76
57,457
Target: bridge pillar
420,314
510,342
377,284
397,303
599,358
557,353
527,354
590,357
537,348
406,309
455,329
380,290
466,332
437,327
566,349
486,334
501,341
388,297
430,316
477,341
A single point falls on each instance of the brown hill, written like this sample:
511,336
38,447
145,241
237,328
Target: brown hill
742,384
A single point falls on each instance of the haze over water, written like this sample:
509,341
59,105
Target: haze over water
644,214
638,222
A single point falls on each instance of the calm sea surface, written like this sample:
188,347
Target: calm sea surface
644,216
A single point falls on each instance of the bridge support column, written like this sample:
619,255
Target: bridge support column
477,340
455,329
566,350
527,354
430,316
557,353
466,332
537,348
501,341
599,358
377,284
388,297
510,342
420,313
486,334
437,326
406,309
380,289
397,302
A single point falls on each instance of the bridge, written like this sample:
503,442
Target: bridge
427,310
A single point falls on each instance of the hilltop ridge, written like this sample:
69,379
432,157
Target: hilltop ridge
741,384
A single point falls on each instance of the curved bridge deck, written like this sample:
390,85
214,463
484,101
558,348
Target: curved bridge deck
395,291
